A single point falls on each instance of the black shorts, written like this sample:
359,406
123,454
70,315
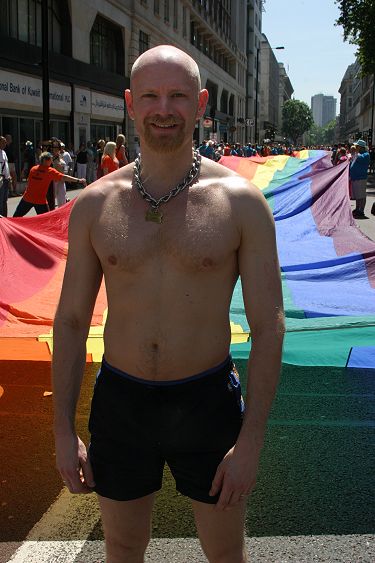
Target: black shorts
137,426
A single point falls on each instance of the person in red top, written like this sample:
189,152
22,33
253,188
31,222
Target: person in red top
39,179
121,150
109,160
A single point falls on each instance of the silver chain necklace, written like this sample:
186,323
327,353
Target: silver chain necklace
154,214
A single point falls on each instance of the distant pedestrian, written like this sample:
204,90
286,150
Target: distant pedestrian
358,174
5,178
98,157
28,159
81,161
90,172
58,164
342,156
9,150
109,160
39,179
121,151
67,158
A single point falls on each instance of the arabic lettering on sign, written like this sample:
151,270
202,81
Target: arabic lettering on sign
109,106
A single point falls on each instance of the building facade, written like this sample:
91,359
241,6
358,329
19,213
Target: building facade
285,93
254,38
87,48
269,92
357,106
92,45
323,109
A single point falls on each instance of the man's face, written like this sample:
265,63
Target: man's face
46,162
3,143
165,103
8,139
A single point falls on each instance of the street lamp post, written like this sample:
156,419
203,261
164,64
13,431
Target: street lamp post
257,90
45,70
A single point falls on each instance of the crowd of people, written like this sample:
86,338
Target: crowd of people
88,164
215,150
92,161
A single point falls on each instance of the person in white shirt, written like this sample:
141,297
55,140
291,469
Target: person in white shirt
65,155
4,178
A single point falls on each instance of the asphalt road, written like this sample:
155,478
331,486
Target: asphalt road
313,500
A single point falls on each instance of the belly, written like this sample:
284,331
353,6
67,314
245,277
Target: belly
173,342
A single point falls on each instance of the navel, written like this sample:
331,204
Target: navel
207,263
112,260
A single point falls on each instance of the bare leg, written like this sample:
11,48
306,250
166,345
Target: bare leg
221,533
127,528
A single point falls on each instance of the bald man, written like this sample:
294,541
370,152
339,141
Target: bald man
170,233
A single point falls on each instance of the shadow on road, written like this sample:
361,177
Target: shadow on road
316,475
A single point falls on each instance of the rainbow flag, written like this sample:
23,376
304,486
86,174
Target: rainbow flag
327,263
33,253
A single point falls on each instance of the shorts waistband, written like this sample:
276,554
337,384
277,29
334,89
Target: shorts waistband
225,364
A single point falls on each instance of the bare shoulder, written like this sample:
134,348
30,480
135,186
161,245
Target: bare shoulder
246,199
102,193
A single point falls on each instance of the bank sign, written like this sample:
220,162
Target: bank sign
23,92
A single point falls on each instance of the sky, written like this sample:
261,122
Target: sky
315,55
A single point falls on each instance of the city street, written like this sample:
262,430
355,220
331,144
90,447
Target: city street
367,226
313,500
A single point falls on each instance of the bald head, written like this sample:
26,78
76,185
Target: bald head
166,54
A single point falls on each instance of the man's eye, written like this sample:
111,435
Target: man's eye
178,95
149,95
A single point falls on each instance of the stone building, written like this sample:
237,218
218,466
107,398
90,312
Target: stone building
92,45
357,105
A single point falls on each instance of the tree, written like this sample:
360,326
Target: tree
297,118
357,18
329,132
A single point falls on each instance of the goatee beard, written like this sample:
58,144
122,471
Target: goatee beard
163,145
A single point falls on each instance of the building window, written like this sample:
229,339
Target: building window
22,20
144,42
156,7
166,11
175,14
106,46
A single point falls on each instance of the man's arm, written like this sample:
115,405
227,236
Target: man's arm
261,285
81,284
73,180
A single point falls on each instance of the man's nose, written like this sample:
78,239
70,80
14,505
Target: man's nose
164,105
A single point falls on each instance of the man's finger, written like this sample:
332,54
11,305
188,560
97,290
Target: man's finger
224,499
87,473
217,482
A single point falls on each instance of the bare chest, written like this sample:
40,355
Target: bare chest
195,235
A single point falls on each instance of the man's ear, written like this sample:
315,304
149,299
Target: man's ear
202,103
129,103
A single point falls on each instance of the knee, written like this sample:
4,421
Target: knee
130,549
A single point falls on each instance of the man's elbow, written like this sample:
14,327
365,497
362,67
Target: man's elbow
69,322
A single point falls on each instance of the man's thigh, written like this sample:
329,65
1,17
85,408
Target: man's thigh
127,523
221,533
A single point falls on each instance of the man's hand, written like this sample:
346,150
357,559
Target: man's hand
236,477
73,463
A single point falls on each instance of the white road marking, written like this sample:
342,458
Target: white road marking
61,532
61,537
